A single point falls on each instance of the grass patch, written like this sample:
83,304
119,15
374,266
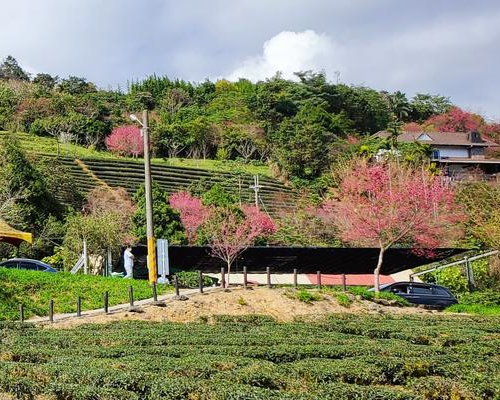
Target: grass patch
34,290
365,294
474,309
343,299
303,295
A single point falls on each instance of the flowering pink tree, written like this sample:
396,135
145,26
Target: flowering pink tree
126,140
192,212
259,219
229,232
385,204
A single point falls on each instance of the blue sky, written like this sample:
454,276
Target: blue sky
448,47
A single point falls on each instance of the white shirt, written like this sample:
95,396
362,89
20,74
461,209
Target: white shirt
128,258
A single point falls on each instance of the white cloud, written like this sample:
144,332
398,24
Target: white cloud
290,52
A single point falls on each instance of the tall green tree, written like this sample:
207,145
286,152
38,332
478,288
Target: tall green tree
167,222
11,70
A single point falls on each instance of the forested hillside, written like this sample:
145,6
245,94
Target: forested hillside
297,127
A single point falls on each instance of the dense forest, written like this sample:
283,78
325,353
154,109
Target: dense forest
297,127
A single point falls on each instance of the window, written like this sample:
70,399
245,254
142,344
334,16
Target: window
435,154
11,264
440,291
421,290
29,266
398,289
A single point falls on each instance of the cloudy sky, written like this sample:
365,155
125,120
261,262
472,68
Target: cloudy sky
448,47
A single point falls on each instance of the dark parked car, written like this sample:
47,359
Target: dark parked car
426,294
26,263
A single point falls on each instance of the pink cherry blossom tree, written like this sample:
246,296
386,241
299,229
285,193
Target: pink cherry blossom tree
192,212
229,232
387,204
126,141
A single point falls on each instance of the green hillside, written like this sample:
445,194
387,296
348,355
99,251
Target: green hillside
90,168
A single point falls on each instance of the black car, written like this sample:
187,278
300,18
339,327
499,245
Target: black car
28,264
426,294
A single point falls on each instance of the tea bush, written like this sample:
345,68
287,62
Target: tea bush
346,357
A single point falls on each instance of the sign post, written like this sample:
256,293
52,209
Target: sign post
163,263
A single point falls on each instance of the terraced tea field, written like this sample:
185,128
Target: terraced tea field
89,173
343,357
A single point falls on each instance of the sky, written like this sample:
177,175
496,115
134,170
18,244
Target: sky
446,47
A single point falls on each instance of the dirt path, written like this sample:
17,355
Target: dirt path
277,303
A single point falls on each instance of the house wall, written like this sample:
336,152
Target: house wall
452,151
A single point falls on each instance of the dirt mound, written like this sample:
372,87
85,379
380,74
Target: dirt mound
278,303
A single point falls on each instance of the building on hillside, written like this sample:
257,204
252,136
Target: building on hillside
460,154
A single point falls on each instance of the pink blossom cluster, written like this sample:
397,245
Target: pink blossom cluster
126,141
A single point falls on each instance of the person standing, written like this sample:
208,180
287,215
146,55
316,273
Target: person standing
128,262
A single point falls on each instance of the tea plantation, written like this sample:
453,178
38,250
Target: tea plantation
342,357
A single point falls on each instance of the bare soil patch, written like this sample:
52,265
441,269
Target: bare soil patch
237,302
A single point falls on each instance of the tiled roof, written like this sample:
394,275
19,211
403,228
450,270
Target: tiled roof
439,138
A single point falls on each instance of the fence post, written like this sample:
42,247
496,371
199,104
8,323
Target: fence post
131,296
245,280
21,313
268,273
176,285
200,281
78,306
318,278
106,302
344,282
155,293
51,310
295,280
223,277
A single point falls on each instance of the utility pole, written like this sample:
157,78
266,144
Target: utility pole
152,268
256,187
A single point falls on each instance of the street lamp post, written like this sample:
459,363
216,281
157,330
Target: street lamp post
152,267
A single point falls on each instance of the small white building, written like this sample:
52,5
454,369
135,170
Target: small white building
456,152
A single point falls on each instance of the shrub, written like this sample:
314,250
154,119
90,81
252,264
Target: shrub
190,279
343,299
307,297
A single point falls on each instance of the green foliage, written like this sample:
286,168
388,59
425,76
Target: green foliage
302,142
303,295
76,86
369,295
454,278
7,105
190,279
344,357
56,260
34,290
343,299
217,196
166,220
22,179
11,70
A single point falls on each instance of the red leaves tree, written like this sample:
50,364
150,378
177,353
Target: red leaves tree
387,204
126,141
192,212
456,120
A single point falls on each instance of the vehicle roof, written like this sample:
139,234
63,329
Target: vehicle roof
409,283
27,260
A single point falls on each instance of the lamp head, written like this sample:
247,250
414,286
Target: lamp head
133,117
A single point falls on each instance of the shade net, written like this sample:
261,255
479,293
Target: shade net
307,260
